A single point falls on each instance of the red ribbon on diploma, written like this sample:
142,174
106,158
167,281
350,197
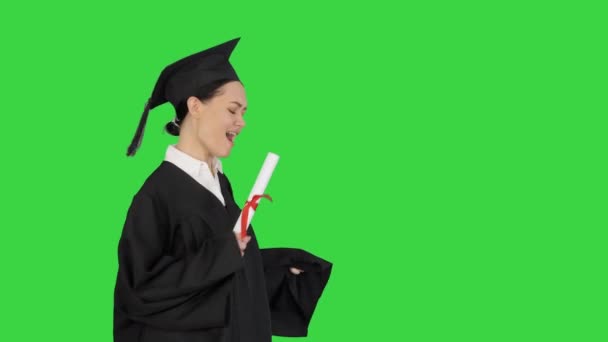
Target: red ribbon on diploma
250,204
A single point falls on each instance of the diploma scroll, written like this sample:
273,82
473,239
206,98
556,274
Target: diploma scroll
258,189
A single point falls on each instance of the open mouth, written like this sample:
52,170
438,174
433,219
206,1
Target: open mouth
230,136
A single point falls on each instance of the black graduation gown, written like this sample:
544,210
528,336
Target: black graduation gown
181,277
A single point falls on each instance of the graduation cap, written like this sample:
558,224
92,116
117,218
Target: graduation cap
183,78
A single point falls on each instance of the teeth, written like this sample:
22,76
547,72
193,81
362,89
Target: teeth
232,133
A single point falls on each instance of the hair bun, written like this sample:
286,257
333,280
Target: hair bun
172,128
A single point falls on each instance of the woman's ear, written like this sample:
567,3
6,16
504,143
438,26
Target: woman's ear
195,106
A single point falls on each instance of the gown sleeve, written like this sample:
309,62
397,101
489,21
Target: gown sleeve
167,287
293,298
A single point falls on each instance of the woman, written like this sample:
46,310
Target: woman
183,274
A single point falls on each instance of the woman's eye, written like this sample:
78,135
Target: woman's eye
232,111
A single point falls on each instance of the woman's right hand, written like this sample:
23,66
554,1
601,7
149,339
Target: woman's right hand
242,242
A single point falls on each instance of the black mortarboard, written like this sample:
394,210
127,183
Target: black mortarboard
183,78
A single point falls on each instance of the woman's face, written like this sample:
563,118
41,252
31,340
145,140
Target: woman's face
218,121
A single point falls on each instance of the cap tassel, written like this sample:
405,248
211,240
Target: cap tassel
139,134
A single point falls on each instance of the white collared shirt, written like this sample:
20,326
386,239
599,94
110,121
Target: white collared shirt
197,169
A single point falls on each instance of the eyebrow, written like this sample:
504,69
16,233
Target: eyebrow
238,103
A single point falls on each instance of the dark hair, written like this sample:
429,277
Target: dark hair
204,94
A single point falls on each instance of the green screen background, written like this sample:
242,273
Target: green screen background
449,158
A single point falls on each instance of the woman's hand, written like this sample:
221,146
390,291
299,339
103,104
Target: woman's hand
242,242
243,245
295,271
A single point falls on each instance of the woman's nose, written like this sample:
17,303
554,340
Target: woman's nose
241,121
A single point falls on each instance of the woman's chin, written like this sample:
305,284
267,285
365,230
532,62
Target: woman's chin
229,149
223,151
223,154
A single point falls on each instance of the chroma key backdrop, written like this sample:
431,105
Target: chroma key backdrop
449,158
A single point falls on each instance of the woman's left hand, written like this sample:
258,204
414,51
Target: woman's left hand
295,271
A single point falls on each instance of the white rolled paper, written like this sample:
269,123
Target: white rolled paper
259,186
